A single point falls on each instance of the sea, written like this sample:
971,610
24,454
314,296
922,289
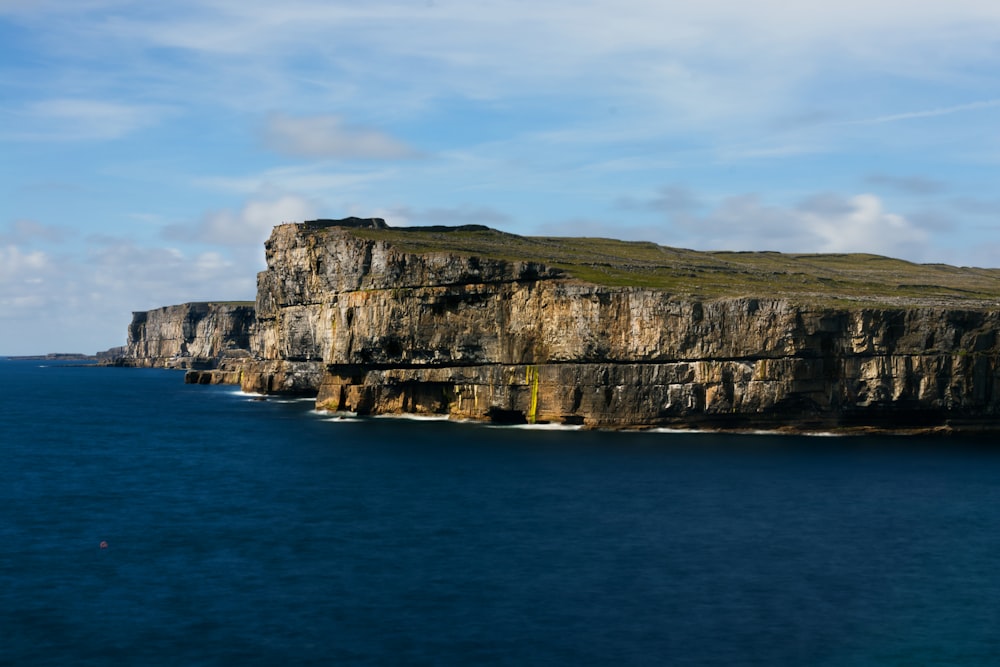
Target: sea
148,522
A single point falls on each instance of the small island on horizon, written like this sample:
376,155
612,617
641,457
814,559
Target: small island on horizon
474,323
52,356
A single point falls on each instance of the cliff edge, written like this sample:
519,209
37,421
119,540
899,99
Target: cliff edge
186,336
477,324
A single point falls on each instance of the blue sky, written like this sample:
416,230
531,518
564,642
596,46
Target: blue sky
146,149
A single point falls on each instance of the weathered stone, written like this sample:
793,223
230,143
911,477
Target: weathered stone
190,335
377,330
370,328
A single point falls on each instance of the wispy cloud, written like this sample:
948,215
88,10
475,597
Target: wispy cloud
522,113
71,119
913,185
328,136
671,199
926,113
983,206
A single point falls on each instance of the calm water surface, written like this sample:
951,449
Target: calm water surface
242,532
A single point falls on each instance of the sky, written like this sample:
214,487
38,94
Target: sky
147,149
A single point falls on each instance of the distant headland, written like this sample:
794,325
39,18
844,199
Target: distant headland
53,356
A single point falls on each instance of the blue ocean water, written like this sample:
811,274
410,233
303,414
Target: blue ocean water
243,532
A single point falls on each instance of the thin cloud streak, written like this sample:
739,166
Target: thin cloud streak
927,113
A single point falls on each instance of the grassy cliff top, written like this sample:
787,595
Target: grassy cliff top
812,278
198,304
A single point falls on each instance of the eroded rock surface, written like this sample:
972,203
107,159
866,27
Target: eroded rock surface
187,336
374,329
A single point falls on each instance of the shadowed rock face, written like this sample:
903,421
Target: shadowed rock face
190,335
374,329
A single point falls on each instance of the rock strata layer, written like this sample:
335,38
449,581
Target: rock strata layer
374,329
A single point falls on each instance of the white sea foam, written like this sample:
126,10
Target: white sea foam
675,431
246,394
342,419
808,434
409,416
271,398
768,432
335,416
551,426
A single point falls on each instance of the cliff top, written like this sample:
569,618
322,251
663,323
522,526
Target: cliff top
203,305
814,278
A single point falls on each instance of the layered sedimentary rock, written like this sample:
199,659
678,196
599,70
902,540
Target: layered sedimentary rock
373,328
188,336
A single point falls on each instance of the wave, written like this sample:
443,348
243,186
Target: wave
409,416
271,398
335,416
246,394
342,419
550,426
767,432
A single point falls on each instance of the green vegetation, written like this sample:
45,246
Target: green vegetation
835,279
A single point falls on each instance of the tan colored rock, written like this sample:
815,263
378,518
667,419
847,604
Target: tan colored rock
374,329
190,335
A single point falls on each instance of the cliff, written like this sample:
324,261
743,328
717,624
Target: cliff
189,335
476,324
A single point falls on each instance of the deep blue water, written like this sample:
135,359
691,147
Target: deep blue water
242,532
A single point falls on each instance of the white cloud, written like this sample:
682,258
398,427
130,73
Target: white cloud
249,226
669,69
821,223
714,58
68,119
18,267
864,225
81,302
329,136
86,293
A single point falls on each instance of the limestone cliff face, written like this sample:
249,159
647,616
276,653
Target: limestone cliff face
374,329
190,335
